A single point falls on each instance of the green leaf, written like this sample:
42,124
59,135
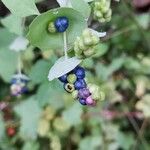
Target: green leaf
39,36
2,127
31,145
144,105
29,113
125,141
50,93
81,6
62,67
39,72
13,23
73,115
21,8
91,143
5,42
8,63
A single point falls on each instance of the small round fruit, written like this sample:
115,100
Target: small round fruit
61,24
71,78
69,87
11,131
82,101
75,94
79,72
51,27
89,101
80,84
63,78
84,93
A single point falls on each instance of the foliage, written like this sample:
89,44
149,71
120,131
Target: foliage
47,118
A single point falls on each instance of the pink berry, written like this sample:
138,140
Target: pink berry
89,101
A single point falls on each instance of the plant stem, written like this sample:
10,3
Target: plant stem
19,63
65,45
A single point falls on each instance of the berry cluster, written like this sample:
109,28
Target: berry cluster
18,86
102,11
59,25
84,46
74,83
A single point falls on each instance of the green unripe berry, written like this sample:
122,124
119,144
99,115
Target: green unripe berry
88,41
69,87
95,40
71,78
98,14
51,27
89,52
75,94
81,45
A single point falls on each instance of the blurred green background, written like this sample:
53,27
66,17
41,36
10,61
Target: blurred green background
47,118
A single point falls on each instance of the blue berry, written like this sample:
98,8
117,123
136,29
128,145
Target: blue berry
63,78
79,72
80,84
82,101
61,24
84,93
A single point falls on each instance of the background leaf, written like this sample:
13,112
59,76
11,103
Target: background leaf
73,114
21,8
8,63
13,23
81,6
29,113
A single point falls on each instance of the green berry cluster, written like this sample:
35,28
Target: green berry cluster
84,46
51,27
102,11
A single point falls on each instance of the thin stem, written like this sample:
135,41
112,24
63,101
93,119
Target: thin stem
19,63
65,44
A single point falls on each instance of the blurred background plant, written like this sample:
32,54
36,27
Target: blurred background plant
47,118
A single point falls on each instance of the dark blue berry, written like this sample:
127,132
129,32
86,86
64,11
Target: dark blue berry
63,78
82,101
61,24
80,84
84,93
79,72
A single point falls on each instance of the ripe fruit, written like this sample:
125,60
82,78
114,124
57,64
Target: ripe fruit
63,78
79,72
84,93
69,87
61,24
89,101
11,131
82,101
80,84
71,78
